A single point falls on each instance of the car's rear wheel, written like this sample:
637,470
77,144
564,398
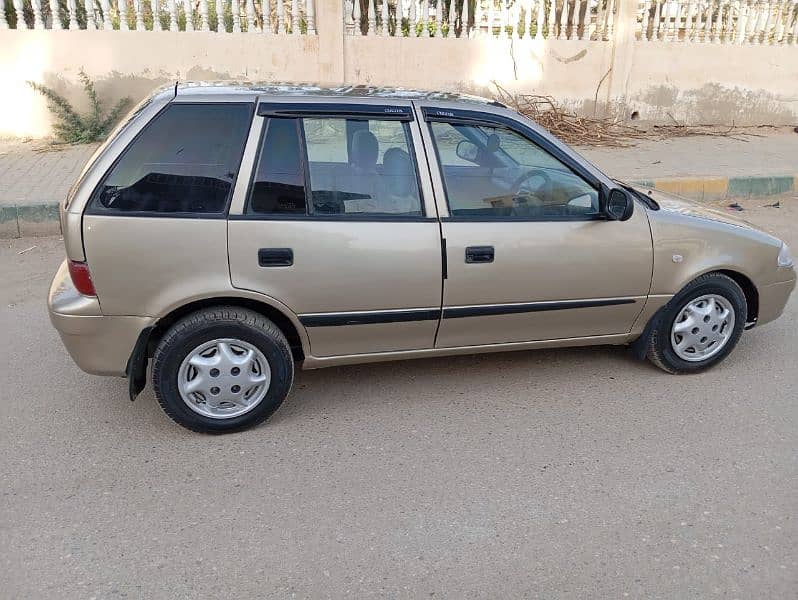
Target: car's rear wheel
222,369
700,326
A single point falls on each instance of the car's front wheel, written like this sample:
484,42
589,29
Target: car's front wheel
700,326
222,369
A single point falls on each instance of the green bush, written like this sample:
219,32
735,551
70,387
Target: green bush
74,128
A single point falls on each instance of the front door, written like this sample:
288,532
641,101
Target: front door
335,226
529,256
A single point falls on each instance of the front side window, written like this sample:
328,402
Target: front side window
335,166
495,172
184,161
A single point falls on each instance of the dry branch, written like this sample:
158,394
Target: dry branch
585,131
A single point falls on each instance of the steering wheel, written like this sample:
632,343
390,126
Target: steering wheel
537,195
520,181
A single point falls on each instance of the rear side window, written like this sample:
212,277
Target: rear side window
335,166
184,162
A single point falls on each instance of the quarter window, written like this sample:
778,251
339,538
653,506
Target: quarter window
184,161
495,172
352,167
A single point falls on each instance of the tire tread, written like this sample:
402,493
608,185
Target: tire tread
215,316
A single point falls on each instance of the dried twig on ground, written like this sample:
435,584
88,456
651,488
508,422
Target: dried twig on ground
574,129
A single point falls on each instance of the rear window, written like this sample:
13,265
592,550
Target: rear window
185,161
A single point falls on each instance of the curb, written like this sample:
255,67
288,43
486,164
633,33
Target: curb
29,220
720,188
43,219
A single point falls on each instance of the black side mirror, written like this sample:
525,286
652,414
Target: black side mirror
619,205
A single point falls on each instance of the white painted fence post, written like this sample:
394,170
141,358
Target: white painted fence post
688,22
156,15
540,20
465,30
250,8
778,28
708,25
384,18
742,21
609,29
73,21
371,19
310,16
644,30
139,15
295,30
413,21
356,16
3,22
88,5
268,28
55,19
235,7
718,24
172,15
203,10
36,5
17,4
425,18
281,16
563,31
188,9
552,18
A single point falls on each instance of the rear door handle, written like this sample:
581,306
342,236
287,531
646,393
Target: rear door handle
479,254
275,257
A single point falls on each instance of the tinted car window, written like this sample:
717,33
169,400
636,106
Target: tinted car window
184,161
361,167
495,172
278,186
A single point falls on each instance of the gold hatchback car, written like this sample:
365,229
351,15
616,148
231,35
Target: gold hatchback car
226,233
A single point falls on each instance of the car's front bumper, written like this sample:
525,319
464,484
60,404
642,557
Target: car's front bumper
772,300
99,344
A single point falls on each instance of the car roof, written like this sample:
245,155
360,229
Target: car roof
200,89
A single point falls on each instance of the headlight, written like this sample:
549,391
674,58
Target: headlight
785,258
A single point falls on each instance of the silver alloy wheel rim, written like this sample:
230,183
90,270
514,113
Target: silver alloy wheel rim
224,378
702,328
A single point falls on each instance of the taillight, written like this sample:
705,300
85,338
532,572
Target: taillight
81,278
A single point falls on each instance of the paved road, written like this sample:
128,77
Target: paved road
551,474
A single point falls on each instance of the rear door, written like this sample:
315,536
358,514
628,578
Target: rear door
338,225
530,257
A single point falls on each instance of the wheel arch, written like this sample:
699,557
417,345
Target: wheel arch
273,310
746,284
749,289
279,314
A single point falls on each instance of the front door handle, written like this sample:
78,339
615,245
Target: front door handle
479,254
275,257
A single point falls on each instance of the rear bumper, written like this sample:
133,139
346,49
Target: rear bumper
98,344
772,300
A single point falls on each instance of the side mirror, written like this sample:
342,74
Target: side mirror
619,205
467,151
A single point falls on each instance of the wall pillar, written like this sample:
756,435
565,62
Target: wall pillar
330,28
622,57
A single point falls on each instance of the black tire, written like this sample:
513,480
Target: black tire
210,324
661,352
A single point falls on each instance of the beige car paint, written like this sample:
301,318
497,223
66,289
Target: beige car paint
144,268
707,240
